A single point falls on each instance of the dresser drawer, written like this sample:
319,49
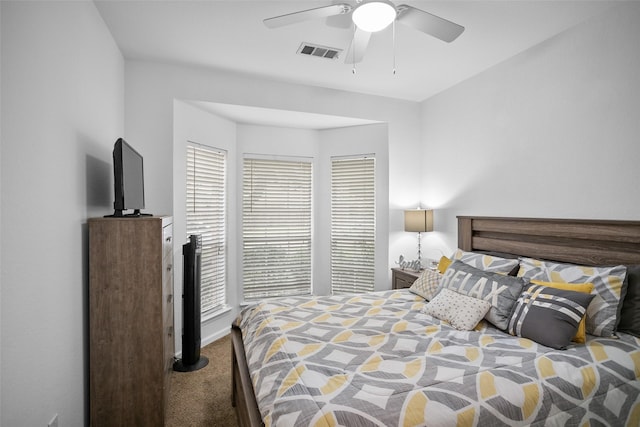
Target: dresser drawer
169,347
167,276
167,314
126,385
167,241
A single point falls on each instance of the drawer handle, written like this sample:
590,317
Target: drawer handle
170,331
169,267
168,239
169,297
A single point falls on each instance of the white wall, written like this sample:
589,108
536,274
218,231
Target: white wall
322,146
191,124
278,143
369,139
552,132
1,139
151,89
194,124
62,110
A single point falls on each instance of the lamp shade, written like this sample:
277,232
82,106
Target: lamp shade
419,220
374,15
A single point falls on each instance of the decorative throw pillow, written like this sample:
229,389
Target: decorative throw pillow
609,289
548,315
585,288
461,311
443,264
630,314
486,262
500,290
427,284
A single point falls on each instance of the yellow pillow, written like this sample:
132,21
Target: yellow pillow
443,264
585,288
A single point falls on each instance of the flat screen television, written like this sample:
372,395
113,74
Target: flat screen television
128,174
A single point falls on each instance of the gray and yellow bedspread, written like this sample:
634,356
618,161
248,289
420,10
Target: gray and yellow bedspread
375,360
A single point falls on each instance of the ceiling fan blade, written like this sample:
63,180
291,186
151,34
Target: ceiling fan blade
305,15
428,23
358,47
340,21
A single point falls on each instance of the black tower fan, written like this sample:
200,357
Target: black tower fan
191,359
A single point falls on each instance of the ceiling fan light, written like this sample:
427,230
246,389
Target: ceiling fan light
374,15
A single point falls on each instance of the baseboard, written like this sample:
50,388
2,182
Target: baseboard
215,326
207,340
213,337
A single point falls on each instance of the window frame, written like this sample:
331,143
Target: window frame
214,260
353,264
293,267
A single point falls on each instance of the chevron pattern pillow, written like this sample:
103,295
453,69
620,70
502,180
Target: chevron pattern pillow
609,289
427,284
486,262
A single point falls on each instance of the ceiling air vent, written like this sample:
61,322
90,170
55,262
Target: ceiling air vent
319,51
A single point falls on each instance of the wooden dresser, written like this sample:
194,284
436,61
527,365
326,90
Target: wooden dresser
403,278
130,319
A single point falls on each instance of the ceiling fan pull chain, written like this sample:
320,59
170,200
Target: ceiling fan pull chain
393,29
353,51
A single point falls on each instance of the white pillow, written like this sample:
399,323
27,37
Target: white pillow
461,311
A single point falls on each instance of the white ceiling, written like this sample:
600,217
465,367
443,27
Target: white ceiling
230,35
269,117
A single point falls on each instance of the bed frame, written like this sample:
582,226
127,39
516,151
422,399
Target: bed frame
578,241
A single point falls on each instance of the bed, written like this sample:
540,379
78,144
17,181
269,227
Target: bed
378,360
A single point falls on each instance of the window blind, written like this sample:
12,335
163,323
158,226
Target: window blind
353,225
206,215
276,228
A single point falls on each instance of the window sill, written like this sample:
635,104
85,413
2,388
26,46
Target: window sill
246,303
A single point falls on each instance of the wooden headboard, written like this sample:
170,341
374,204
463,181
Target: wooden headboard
577,241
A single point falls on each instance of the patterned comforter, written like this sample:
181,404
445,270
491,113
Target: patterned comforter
376,360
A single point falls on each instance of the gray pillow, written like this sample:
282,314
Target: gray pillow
500,290
630,314
549,316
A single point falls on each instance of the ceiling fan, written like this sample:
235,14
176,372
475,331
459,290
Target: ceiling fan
370,16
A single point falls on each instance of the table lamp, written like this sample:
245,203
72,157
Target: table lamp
420,221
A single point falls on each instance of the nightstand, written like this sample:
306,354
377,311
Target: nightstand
403,278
